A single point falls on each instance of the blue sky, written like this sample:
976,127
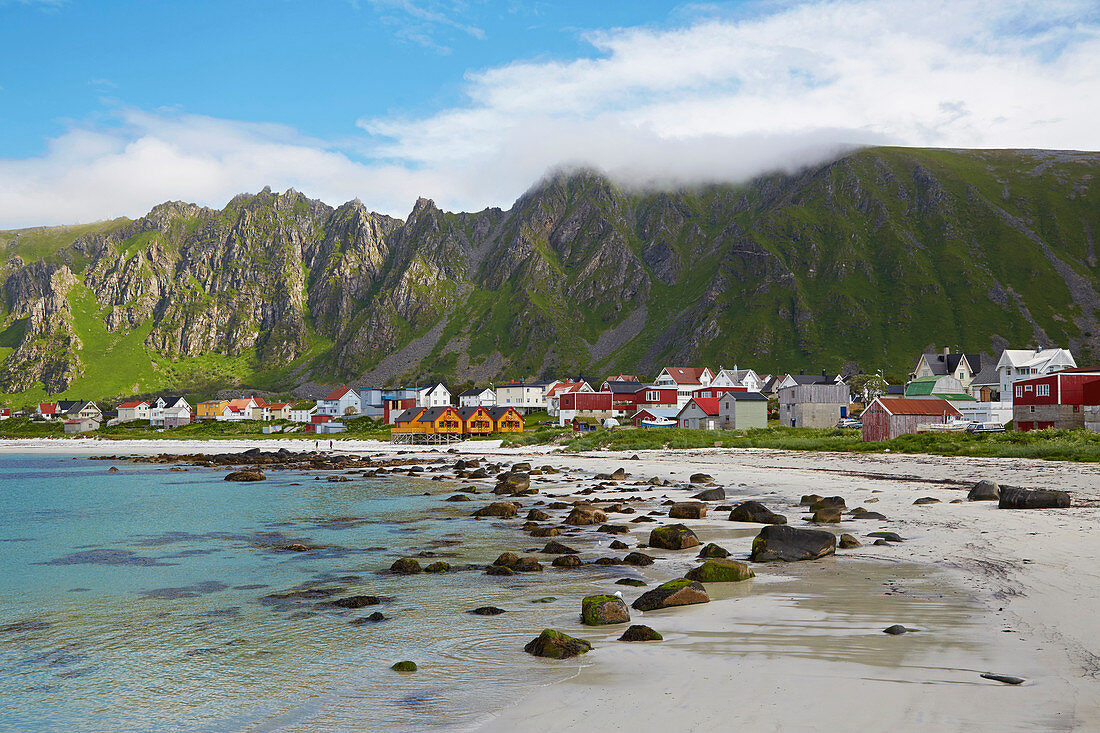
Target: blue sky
112,107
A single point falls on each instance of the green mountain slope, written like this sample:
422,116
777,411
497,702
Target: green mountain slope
861,261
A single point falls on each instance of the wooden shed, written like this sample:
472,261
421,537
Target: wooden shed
888,417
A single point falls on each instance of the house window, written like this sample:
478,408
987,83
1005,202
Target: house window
1076,408
1027,387
1043,390
1019,391
1033,408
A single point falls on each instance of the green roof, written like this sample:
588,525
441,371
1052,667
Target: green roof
921,387
955,397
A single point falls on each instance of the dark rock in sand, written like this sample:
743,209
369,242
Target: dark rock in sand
781,542
701,478
619,545
713,550
556,645
720,570
356,601
688,510
754,511
405,666
607,561
512,483
638,632
567,561
682,592
487,611
984,491
545,532
847,542
502,509
888,536
1013,497
619,474
1007,679
881,542
826,515
641,520
637,559
632,582
584,514
810,498
537,515
873,516
613,529
524,466
836,502
556,548
926,500
717,494
604,610
405,566
895,630
245,476
673,537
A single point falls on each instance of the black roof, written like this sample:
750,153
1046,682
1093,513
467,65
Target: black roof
812,379
895,389
432,413
466,412
497,412
407,415
942,364
69,405
618,386
473,392
746,396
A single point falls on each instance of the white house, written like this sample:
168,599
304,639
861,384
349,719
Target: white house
302,411
553,395
685,379
700,413
129,411
1017,364
735,377
478,398
169,412
436,395
339,402
524,396
793,380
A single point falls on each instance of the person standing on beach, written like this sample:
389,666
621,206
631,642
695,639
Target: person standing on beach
330,446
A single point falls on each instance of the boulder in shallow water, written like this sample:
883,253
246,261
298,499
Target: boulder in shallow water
528,565
604,610
405,666
826,515
637,559
720,570
245,476
537,515
619,474
506,560
557,548
638,632
499,570
713,550
618,545
356,601
556,645
754,511
688,510
984,491
502,509
715,494
438,567
512,483
405,566
673,537
632,582
781,542
1013,497
486,611
567,561
584,514
682,592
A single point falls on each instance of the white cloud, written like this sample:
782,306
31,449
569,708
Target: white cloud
718,99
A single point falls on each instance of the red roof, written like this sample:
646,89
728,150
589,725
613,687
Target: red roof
622,378
686,375
561,387
47,408
278,405
131,405
709,405
918,406
337,393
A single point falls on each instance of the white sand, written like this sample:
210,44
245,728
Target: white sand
800,647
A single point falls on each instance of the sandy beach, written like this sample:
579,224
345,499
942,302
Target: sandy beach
800,647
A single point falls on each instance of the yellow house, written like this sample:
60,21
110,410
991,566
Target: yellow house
210,409
475,420
506,420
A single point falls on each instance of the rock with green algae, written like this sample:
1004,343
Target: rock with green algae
604,610
405,566
438,567
680,592
405,666
713,550
638,632
632,582
721,570
556,645
673,537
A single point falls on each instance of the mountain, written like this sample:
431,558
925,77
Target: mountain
861,261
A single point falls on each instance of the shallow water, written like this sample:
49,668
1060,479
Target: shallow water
143,600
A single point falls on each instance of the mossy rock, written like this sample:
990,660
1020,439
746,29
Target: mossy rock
438,567
673,537
604,610
721,570
713,550
405,566
405,666
680,592
556,645
632,582
638,632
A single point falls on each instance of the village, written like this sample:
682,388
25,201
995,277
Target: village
946,391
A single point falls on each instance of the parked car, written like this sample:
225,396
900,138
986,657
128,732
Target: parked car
849,422
985,427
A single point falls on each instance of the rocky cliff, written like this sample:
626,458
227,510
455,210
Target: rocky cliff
863,260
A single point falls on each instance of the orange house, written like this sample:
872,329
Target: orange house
210,409
406,421
440,421
475,420
506,420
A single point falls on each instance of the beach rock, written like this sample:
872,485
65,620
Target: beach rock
502,509
486,611
405,566
847,542
512,483
1007,679
754,511
604,610
613,529
478,473
810,499
688,510
112,469
672,537
895,630
557,548
556,645
713,550
682,592
926,500
356,601
984,491
781,542
701,478
826,515
619,474
888,536
720,570
873,516
881,542
524,466
499,570
637,559
458,497
506,560
567,561
537,515
245,476
716,494
584,514
438,567
642,519
528,565
835,502
632,582
618,545
638,632
372,619
607,561
545,532
405,666
1013,497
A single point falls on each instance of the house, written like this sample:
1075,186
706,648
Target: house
651,414
619,400
1016,364
261,412
372,400
962,367
475,420
888,417
747,378
742,410
949,388
5,413
303,411
506,419
169,412
475,397
279,411
405,421
329,426
130,411
553,395
429,420
239,408
716,391
524,396
620,377
339,402
81,424
209,409
81,409
792,380
700,413
435,395
685,379
811,401
394,408
1060,401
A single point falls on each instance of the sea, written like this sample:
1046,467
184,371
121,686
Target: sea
151,599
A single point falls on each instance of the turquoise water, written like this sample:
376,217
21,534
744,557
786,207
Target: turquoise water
142,600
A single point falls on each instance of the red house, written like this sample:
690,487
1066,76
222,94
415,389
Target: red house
1055,400
888,417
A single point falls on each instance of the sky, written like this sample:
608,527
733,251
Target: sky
108,108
